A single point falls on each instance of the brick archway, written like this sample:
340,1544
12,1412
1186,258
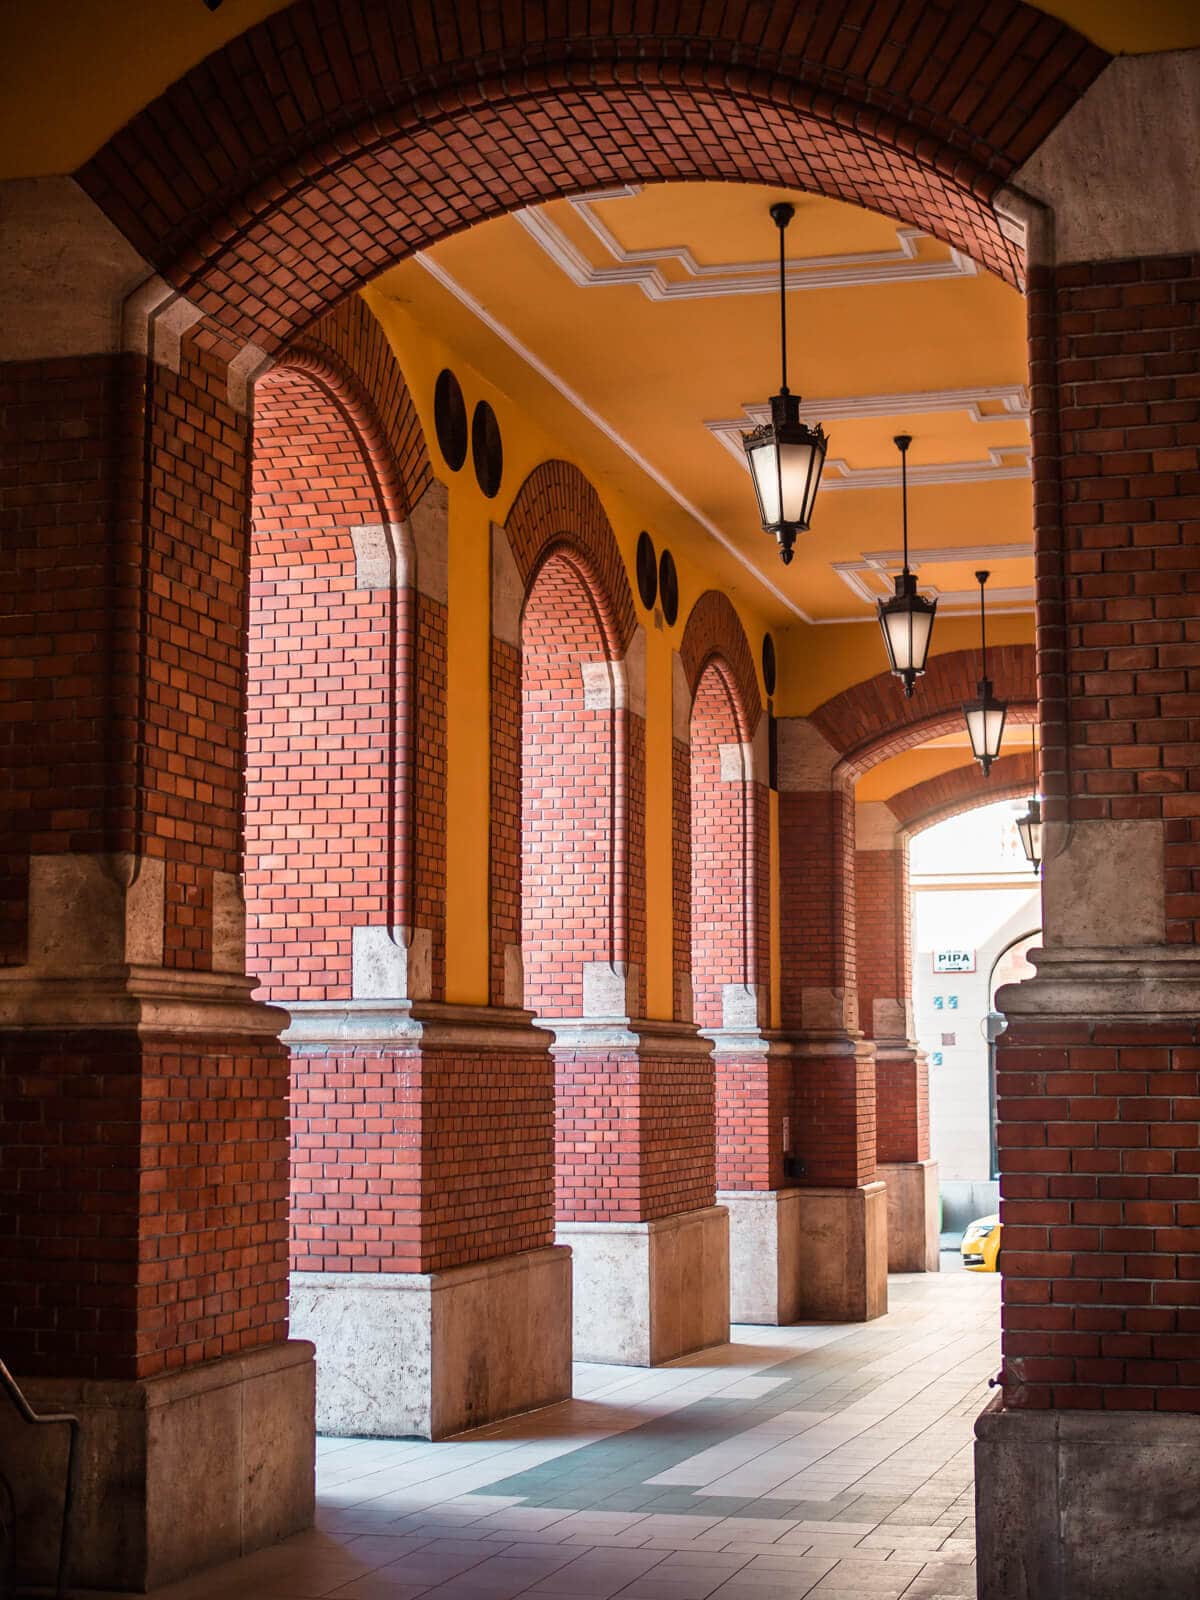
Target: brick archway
714,632
926,804
872,721
575,628
325,143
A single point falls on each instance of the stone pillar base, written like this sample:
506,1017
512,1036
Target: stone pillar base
174,1474
764,1255
842,1254
1087,1505
646,1292
423,1355
912,1215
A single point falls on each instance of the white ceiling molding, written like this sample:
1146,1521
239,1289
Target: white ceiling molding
642,267
995,468
882,565
572,397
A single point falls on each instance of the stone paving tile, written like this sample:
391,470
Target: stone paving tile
833,1463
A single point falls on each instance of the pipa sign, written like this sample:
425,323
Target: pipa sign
954,961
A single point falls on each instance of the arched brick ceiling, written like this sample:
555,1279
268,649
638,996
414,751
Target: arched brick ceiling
963,789
299,160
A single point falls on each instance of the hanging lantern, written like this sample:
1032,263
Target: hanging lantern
1029,827
985,714
907,618
785,455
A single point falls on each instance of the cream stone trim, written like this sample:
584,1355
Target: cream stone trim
1121,171
832,1010
681,701
1101,876
514,976
391,963
647,1035
805,759
875,826
384,555
508,590
66,272
228,923
137,999
427,1024
1146,983
737,763
883,565
243,372
429,522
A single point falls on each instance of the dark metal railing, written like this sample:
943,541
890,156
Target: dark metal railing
8,1509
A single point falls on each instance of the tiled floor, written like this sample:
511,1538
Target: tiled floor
831,1462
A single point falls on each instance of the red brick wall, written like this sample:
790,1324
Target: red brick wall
754,1096
634,1135
568,794
143,1201
1100,1184
1100,1121
410,1161
326,700
882,956
723,949
816,887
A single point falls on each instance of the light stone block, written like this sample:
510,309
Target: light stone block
875,826
764,1255
427,1355
681,701
842,1244
743,1005
1087,1505
429,531
913,1241
391,963
1106,885
610,989
175,1473
229,923
508,590
805,758
384,557
891,1019
648,1292
1122,169
829,1010
94,910
737,763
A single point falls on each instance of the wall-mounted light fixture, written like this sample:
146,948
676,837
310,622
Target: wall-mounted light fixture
785,454
907,618
985,714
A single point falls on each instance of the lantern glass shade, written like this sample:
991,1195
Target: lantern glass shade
1030,829
985,724
785,457
906,620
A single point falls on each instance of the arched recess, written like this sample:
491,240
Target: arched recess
264,219
721,843
342,744
568,767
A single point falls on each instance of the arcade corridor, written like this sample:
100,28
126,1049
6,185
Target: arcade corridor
826,1462
456,796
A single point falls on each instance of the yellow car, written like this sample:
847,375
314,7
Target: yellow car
981,1245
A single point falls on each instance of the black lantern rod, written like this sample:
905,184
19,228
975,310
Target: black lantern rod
983,578
781,214
902,442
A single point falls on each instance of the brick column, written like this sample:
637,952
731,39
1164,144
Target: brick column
424,1266
634,1103
884,954
843,1204
1089,1462
143,1095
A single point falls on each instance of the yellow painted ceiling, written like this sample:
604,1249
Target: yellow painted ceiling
74,71
889,332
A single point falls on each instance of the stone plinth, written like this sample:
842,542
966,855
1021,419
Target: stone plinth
912,1215
764,1255
1087,1505
647,1292
842,1253
428,1354
173,1474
